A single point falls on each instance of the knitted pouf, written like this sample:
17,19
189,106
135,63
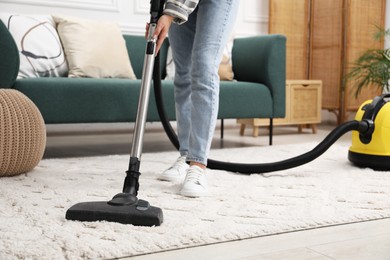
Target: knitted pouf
22,133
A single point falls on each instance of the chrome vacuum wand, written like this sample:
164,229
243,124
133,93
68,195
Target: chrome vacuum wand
130,187
147,75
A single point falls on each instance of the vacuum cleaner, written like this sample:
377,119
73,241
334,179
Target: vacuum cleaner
373,149
370,147
125,207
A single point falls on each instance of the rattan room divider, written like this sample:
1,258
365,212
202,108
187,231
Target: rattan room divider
324,38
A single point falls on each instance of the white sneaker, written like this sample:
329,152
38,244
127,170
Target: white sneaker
195,184
176,172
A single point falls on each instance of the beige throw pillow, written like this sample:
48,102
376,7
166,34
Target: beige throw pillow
225,70
93,48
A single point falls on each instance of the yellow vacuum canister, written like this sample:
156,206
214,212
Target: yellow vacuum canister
373,150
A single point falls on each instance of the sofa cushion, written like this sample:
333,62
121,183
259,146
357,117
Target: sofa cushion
240,99
88,100
40,49
93,48
84,100
9,58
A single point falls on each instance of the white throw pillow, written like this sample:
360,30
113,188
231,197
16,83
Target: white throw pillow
93,48
41,52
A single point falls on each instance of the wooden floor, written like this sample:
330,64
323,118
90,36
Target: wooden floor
360,241
363,240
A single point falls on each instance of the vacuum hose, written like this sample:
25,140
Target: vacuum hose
249,168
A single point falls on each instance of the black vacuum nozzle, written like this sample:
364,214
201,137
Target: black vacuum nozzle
138,214
123,208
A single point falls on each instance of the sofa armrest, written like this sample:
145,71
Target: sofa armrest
9,58
262,59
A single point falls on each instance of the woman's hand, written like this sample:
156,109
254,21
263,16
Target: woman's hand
161,31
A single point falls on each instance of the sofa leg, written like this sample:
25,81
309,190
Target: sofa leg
222,128
271,129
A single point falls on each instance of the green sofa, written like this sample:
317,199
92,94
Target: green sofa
258,90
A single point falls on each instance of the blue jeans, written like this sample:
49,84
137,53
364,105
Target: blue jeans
197,47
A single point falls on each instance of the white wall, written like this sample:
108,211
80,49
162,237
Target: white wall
132,15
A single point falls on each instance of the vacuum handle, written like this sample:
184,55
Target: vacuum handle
156,9
371,111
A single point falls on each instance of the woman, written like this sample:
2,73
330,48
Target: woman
198,32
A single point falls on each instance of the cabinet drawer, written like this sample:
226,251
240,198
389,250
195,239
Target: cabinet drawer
305,105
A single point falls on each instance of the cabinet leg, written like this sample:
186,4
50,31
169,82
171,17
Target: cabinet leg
242,129
314,128
255,131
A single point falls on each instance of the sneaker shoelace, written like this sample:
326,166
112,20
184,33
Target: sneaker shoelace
180,163
194,175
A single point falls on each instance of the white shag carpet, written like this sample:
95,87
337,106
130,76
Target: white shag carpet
327,191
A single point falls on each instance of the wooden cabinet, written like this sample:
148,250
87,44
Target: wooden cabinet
303,107
324,38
